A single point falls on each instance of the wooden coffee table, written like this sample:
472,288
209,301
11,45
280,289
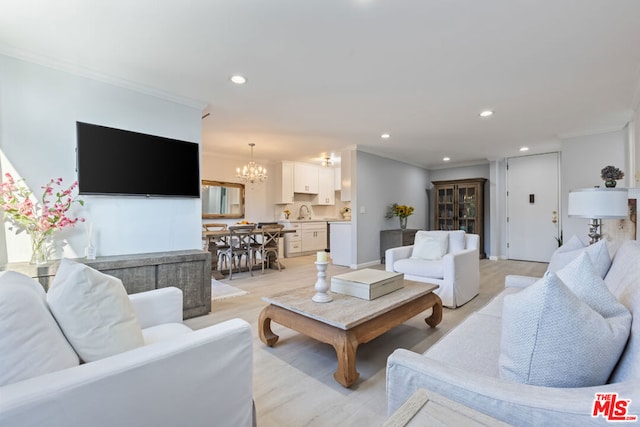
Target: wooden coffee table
347,322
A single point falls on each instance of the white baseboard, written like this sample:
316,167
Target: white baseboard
497,258
365,265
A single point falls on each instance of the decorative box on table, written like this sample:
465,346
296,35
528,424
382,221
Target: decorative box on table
367,283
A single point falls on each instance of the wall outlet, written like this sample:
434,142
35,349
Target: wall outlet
362,209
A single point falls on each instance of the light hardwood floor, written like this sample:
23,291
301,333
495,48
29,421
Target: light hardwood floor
293,381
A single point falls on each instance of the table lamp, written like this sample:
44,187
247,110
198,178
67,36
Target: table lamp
597,204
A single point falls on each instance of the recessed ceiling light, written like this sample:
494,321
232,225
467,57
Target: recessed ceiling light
524,148
238,79
486,113
385,136
446,159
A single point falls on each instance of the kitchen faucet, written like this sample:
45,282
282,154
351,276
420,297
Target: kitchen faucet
300,216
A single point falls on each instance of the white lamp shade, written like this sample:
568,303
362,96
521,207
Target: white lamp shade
600,203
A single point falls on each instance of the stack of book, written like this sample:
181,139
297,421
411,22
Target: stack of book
367,283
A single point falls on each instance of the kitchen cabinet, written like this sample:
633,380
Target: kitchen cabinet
292,241
313,236
459,205
345,175
309,237
326,188
283,177
394,239
305,178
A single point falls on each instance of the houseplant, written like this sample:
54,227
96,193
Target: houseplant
41,220
610,174
401,211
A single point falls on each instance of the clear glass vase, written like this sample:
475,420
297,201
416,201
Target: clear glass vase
403,222
39,249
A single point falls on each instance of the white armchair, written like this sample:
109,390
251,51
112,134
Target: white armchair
456,267
178,377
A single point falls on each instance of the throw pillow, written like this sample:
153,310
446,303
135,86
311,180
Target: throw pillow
598,252
571,245
552,337
94,311
31,343
430,247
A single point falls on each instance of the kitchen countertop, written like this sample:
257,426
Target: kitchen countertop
315,220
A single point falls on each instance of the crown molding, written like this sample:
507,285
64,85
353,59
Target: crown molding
77,70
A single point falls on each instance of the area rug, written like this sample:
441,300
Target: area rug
221,290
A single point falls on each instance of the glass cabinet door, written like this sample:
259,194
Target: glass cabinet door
467,209
446,209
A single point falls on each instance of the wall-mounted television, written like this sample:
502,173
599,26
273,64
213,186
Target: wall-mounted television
121,162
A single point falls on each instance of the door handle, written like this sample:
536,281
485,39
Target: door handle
554,217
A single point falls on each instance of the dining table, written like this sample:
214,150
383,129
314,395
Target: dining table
222,236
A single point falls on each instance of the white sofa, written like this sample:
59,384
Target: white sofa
464,364
457,271
178,377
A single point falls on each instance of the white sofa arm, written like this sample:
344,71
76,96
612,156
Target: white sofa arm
515,281
517,404
197,379
158,306
394,254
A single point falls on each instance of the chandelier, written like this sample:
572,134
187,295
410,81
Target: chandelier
251,172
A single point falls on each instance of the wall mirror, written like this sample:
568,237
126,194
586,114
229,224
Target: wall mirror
222,199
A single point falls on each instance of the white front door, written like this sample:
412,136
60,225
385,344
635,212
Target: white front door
533,215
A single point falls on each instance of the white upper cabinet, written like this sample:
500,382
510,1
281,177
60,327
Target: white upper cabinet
284,183
326,187
305,178
345,175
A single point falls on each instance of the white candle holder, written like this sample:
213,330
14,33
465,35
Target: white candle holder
321,283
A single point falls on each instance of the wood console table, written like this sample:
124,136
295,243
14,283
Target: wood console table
188,270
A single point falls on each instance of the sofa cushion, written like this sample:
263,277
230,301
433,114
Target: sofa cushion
420,267
563,335
598,252
457,241
623,280
94,311
164,332
431,247
461,347
31,343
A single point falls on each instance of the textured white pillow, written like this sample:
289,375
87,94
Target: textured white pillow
430,247
94,311
31,343
571,245
598,252
563,335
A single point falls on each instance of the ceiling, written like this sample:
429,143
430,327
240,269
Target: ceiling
328,74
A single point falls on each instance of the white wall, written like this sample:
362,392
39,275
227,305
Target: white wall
379,183
582,160
39,107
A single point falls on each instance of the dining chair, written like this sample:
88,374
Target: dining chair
271,244
239,246
216,245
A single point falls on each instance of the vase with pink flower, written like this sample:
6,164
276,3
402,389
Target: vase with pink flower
39,220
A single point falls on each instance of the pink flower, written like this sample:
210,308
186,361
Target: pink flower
38,220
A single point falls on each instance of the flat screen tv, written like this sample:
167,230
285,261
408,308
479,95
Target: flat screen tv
120,162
